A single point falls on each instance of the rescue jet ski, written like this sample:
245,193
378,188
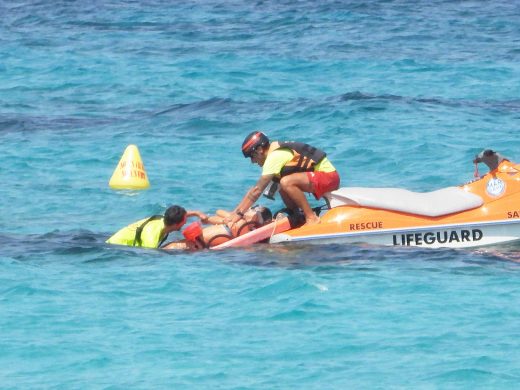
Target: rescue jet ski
485,211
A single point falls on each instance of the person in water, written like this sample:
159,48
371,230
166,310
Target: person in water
152,232
298,168
219,230
489,157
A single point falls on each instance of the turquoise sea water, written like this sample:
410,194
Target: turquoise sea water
399,93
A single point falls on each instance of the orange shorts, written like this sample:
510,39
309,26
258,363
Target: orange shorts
323,182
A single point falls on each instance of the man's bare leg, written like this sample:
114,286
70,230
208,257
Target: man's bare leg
293,187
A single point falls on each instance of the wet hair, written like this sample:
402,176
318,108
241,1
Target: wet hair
174,215
265,214
489,157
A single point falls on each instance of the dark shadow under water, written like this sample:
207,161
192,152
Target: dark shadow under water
363,256
86,246
227,109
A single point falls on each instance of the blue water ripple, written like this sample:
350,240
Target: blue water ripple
399,94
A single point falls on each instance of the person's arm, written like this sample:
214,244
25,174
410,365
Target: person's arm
177,245
215,220
183,245
195,213
222,213
250,198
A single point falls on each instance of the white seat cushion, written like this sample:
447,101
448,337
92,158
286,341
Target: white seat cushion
432,204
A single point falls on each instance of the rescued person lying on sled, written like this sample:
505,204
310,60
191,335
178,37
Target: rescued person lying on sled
220,229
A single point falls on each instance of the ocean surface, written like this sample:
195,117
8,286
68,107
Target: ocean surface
398,93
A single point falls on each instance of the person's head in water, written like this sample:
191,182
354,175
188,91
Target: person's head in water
175,215
259,214
489,157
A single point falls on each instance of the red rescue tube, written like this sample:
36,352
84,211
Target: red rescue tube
192,231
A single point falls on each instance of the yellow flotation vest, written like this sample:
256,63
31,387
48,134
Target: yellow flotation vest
146,233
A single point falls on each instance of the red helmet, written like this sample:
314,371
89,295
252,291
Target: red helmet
253,141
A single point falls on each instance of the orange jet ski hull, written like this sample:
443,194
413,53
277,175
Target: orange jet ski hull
496,220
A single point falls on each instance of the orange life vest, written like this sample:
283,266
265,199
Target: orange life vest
195,234
305,157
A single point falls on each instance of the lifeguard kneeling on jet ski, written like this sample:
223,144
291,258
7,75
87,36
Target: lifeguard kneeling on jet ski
296,166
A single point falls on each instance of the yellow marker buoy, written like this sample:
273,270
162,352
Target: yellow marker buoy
129,173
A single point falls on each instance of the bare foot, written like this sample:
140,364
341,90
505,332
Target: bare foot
312,221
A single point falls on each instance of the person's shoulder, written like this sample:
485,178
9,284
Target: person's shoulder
280,153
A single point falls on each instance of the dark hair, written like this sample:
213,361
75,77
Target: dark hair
265,213
174,215
489,157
